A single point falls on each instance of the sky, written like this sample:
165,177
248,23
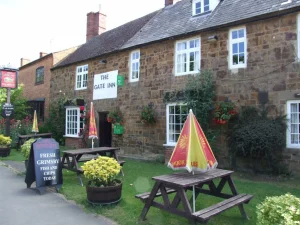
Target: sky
28,27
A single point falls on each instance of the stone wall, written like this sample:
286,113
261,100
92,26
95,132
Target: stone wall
271,69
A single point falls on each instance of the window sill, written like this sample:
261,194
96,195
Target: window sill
169,145
77,137
202,14
79,89
38,83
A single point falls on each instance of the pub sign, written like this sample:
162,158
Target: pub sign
8,78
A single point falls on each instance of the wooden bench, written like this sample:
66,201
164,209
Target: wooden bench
23,138
145,196
205,214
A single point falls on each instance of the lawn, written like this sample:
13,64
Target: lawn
137,180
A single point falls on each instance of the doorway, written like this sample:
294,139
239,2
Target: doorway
105,130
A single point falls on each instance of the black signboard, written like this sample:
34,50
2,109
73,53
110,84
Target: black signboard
44,165
7,110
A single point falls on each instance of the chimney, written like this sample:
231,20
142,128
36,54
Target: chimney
42,54
96,24
170,2
24,61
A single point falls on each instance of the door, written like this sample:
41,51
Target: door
105,130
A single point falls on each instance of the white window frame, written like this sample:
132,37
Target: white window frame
187,51
168,142
73,120
202,7
298,37
82,74
234,41
288,132
133,62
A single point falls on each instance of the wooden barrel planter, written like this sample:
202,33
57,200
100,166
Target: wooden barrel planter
104,195
4,151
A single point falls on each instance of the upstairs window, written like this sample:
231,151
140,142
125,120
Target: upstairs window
39,75
201,6
238,48
81,77
187,57
134,66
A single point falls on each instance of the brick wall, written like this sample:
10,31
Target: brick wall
270,68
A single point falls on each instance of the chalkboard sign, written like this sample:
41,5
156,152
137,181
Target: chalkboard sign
44,165
7,110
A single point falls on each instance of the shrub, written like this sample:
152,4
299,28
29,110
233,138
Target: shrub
101,171
25,148
279,210
255,136
4,141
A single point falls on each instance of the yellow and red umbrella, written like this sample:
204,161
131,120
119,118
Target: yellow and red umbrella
192,151
35,127
92,126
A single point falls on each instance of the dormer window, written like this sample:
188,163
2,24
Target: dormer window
201,6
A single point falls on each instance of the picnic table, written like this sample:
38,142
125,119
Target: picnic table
71,158
180,183
23,138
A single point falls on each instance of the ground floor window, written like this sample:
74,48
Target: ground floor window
39,106
293,128
72,122
176,115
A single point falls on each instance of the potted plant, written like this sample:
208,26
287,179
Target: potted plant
103,187
223,112
4,145
147,114
25,149
115,117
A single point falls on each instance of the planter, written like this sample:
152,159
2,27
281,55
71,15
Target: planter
4,151
104,195
118,129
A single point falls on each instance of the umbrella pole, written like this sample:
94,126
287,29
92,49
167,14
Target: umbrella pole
92,142
194,200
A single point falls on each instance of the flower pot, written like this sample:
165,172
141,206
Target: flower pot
118,129
4,151
104,195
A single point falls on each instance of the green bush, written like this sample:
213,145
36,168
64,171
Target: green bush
257,137
279,210
25,148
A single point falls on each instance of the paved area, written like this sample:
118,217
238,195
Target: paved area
20,205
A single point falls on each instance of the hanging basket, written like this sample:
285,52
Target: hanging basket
118,129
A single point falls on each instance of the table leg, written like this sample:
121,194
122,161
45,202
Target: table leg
234,192
150,200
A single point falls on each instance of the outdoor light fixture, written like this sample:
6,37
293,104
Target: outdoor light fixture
212,38
103,61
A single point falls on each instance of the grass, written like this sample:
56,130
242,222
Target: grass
137,180
15,155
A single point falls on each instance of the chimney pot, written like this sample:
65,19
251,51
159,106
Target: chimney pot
42,54
24,61
170,2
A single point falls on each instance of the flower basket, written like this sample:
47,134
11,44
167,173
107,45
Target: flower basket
118,129
223,112
147,114
103,187
115,117
4,146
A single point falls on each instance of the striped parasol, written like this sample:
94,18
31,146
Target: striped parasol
35,127
92,126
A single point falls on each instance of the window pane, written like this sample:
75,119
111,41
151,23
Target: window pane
294,138
192,44
198,11
235,48
241,47
294,107
171,109
294,128
235,59
294,118
241,33
197,43
241,58
181,46
234,34
206,8
206,2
